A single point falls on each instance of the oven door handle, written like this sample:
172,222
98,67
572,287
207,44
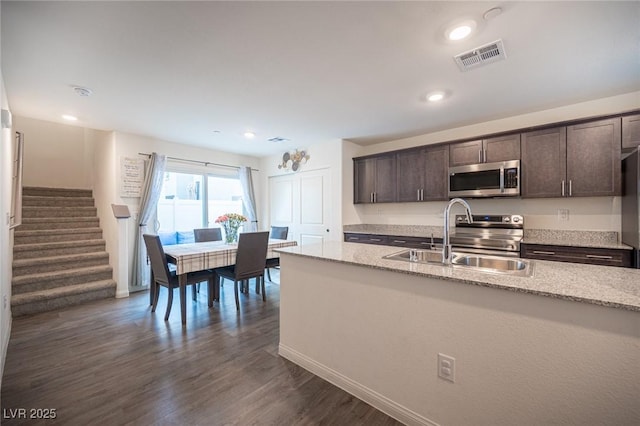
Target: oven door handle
502,179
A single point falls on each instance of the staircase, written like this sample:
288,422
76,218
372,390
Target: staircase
59,256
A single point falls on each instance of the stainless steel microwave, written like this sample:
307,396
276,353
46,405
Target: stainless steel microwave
500,179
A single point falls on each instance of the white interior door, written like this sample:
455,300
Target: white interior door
301,201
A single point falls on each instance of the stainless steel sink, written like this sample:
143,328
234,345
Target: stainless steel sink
495,264
478,262
417,255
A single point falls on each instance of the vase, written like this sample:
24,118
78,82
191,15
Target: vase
230,235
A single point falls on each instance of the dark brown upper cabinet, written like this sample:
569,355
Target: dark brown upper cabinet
594,158
500,148
374,179
630,132
543,164
422,174
581,160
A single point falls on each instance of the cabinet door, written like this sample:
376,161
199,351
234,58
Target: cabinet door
502,148
630,131
410,176
593,158
385,179
464,153
436,185
543,163
363,180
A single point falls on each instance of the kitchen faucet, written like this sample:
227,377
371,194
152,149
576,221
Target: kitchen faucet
447,254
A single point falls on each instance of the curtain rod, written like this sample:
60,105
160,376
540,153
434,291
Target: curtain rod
206,163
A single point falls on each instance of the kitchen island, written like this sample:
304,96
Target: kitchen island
560,347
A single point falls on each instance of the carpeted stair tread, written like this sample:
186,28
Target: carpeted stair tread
41,276
59,262
49,300
33,200
56,192
19,299
56,235
55,222
57,245
42,232
39,211
35,250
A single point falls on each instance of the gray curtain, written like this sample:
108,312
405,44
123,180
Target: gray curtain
151,188
248,198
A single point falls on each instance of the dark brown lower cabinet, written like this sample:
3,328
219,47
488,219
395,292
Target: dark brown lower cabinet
391,240
365,238
591,255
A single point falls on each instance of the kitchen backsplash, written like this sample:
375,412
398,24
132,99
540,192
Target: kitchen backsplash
581,214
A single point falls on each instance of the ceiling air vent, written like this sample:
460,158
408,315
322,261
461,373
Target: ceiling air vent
482,55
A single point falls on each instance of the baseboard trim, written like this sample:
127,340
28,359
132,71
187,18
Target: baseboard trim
122,293
5,346
371,397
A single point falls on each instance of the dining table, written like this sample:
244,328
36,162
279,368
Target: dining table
192,257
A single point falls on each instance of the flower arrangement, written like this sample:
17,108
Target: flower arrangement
230,222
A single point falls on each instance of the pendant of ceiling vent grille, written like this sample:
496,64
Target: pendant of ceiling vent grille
482,55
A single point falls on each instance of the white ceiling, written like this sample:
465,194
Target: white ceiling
307,71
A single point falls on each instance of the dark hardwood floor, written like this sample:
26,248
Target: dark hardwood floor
115,362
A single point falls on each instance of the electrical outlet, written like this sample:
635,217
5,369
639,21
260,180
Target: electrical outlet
447,367
563,214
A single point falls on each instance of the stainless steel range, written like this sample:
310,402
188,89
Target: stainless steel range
489,234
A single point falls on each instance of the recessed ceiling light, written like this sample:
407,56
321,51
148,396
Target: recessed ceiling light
460,30
435,96
492,13
69,117
249,135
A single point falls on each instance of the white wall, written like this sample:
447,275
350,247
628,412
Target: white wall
325,155
597,213
6,239
55,155
104,186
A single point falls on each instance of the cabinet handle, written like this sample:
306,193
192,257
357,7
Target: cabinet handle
376,239
570,191
544,252
399,241
418,194
371,197
353,238
484,155
422,195
563,187
375,197
596,256
480,156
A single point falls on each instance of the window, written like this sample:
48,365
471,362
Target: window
190,201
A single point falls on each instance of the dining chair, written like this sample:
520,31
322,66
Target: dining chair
207,234
250,258
277,233
161,275
202,235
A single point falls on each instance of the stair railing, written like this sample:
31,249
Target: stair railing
15,216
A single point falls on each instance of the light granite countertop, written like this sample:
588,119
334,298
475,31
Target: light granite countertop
595,239
601,285
554,237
